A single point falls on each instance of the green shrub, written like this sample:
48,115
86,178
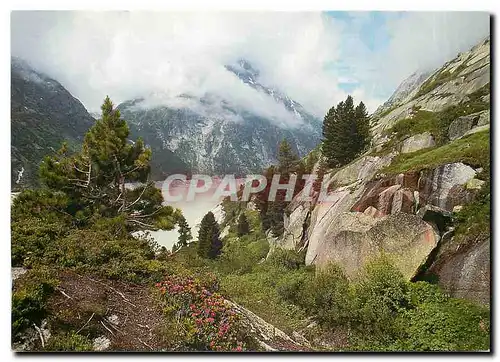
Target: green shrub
259,292
327,297
380,294
451,325
421,292
291,286
285,258
69,342
473,221
29,298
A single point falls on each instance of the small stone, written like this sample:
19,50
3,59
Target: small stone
474,184
101,343
16,272
457,208
113,319
300,338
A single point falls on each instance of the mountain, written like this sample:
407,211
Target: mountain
406,90
43,115
420,194
451,84
214,135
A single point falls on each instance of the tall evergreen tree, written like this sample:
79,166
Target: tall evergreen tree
346,132
95,178
209,242
243,226
287,159
184,232
363,127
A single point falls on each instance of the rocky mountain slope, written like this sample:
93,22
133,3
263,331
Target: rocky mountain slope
421,194
406,90
43,115
213,135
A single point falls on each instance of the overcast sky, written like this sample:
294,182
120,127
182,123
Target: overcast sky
315,58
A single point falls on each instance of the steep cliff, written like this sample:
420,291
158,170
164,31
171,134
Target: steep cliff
404,197
43,115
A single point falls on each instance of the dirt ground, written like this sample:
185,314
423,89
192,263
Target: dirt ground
125,313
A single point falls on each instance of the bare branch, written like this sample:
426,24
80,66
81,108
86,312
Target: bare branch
92,316
152,227
139,216
110,331
142,193
40,334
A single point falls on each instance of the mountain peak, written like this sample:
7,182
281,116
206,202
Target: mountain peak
244,70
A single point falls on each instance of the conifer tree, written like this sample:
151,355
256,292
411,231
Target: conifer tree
95,178
346,132
184,232
209,243
243,226
287,159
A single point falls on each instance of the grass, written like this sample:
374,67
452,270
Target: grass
437,123
473,150
443,76
473,222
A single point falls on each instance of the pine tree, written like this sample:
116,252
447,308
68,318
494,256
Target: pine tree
209,243
287,159
243,226
184,232
346,132
95,178
363,127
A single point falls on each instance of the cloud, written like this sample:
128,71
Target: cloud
315,58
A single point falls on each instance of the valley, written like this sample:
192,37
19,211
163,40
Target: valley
395,259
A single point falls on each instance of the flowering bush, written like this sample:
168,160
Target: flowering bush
209,323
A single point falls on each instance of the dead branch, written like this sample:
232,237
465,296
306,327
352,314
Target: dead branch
92,316
118,198
144,343
148,215
114,290
109,330
142,193
40,334
63,293
152,227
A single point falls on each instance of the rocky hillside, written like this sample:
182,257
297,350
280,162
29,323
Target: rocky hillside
213,135
421,194
407,89
43,115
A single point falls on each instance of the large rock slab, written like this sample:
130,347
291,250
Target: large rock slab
327,213
444,185
356,238
361,170
294,227
462,125
418,142
466,273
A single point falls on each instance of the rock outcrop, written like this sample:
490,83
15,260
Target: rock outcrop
418,142
463,125
357,238
269,337
373,215
450,85
466,272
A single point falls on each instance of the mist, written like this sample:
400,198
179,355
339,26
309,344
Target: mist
161,55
